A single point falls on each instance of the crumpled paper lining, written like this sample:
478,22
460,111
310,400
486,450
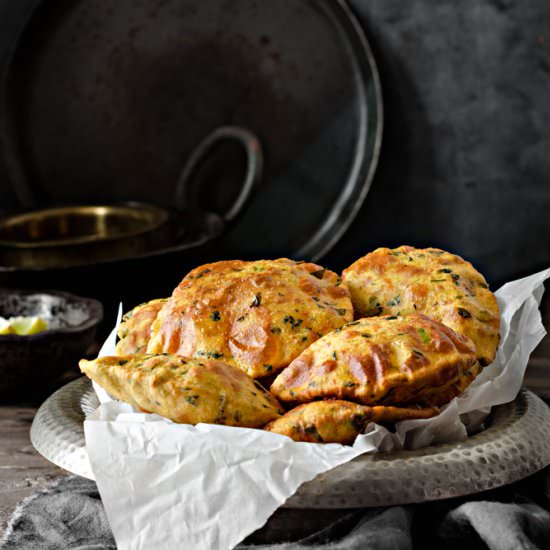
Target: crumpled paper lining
167,485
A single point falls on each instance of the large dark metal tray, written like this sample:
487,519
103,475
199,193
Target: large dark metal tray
105,101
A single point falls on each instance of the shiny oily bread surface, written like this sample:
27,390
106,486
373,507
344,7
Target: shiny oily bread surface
382,361
257,316
184,390
134,331
431,281
337,421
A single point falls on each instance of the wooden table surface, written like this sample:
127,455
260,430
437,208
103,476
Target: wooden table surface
23,470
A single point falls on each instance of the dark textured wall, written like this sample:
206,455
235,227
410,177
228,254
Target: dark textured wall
13,16
466,152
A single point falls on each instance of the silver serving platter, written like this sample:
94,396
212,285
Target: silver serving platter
515,445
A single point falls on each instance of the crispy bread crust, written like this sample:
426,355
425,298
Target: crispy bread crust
134,331
257,316
185,390
382,361
431,281
337,421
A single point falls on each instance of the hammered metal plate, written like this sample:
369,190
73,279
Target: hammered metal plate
515,445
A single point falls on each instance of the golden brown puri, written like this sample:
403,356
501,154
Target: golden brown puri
135,329
257,316
337,421
430,281
382,361
185,390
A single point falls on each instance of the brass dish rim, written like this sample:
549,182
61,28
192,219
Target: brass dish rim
159,217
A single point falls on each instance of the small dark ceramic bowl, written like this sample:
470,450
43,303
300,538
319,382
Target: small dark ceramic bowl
30,365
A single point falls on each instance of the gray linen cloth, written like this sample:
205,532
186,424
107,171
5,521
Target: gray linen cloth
68,514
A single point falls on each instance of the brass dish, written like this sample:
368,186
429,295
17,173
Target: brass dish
59,238
75,234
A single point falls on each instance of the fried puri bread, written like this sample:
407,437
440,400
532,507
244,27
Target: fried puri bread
430,281
382,361
337,421
257,316
135,329
185,390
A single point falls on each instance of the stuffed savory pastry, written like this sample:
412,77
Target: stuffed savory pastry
134,331
257,316
382,361
337,421
185,390
430,281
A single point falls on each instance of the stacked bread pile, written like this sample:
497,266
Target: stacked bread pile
400,334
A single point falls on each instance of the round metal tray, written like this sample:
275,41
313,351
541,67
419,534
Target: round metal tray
300,74
515,444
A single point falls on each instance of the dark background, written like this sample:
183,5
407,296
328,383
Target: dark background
466,152
465,160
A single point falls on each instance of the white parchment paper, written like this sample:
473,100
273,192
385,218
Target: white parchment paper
167,486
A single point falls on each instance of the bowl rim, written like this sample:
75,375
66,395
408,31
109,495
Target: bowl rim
211,224
95,310
130,210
